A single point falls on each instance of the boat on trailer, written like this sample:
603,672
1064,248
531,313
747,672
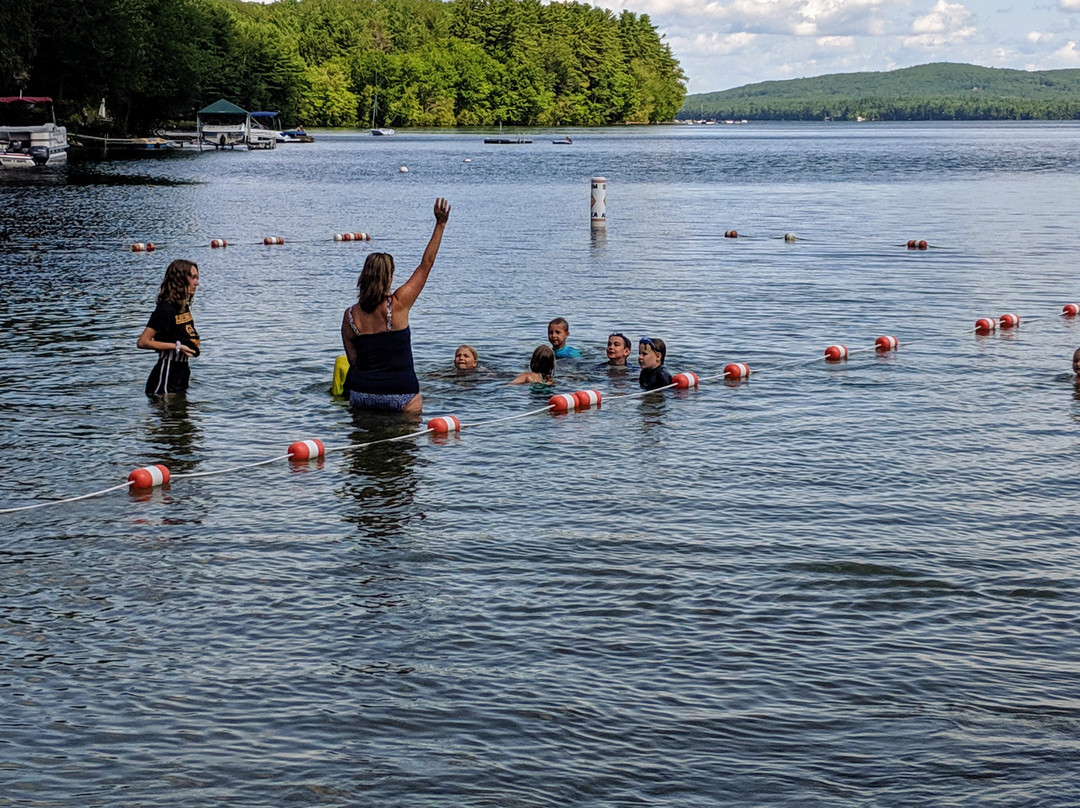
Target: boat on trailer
29,135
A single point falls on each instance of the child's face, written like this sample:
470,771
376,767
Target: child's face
464,360
557,334
617,352
647,357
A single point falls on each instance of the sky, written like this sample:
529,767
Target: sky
727,43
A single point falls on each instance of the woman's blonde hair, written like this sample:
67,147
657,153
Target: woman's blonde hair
175,284
373,286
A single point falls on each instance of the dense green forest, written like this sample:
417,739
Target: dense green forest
941,91
334,62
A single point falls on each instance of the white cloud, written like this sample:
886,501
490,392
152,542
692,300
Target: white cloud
946,24
1068,53
836,42
1039,37
1069,5
809,18
715,44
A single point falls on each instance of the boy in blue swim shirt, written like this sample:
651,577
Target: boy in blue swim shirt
558,331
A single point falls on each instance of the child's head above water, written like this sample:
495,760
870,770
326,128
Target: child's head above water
651,352
558,331
466,358
543,361
618,349
1076,361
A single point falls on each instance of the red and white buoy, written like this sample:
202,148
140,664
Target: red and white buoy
1070,309
834,353
1009,320
563,402
736,370
273,240
731,234
444,424
218,243
886,343
685,380
149,476
917,245
985,325
138,246
306,450
587,399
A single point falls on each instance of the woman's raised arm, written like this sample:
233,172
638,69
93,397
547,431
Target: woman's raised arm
407,293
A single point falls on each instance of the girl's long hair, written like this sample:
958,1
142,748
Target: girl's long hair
543,361
175,284
373,286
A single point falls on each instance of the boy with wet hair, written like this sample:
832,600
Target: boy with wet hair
558,331
618,353
651,354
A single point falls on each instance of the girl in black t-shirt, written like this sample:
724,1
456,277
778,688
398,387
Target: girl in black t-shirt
171,330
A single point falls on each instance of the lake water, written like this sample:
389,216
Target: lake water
844,584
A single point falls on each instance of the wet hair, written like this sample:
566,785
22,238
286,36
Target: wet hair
560,321
174,285
625,339
657,345
471,350
543,361
373,285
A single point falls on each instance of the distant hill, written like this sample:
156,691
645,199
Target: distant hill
942,90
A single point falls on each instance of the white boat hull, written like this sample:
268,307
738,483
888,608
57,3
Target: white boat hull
31,146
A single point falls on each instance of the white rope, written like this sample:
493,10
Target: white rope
68,499
506,418
190,474
350,447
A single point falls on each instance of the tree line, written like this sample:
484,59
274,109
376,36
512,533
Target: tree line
941,91
341,62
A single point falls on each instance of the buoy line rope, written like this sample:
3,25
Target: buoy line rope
350,447
158,475
67,499
507,418
190,474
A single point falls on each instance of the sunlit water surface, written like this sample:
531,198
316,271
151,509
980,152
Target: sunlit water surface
835,584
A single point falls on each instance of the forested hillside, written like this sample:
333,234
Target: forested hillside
927,92
323,62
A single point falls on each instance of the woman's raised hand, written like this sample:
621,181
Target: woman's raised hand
442,210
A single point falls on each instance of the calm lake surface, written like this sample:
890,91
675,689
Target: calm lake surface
845,584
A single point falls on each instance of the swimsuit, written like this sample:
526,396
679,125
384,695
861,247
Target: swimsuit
566,352
382,377
652,379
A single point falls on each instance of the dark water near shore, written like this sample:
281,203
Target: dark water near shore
846,584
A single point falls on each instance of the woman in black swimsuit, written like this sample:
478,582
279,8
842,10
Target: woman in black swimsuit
375,331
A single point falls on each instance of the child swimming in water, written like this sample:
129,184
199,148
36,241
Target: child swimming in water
651,355
618,352
558,331
541,367
466,358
